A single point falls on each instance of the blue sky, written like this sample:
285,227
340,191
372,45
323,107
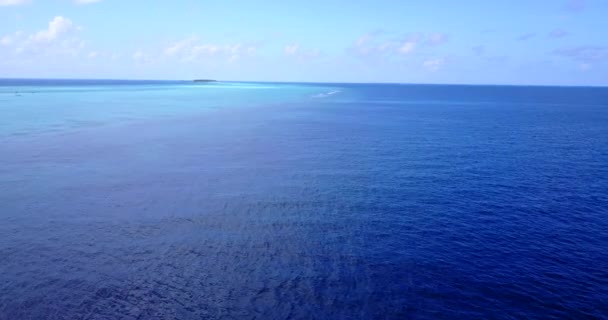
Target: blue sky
544,42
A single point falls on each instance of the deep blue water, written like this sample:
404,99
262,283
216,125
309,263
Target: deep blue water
173,200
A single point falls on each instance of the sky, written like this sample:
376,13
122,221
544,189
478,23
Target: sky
519,42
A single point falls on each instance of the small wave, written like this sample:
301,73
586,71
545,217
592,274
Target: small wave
326,94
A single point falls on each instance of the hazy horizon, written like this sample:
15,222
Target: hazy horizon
313,82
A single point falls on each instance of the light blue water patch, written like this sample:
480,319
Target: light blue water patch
41,106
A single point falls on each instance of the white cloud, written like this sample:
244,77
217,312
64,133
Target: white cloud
290,50
367,44
58,38
180,46
407,47
142,57
57,27
302,54
139,55
10,39
86,1
382,45
433,64
204,49
234,49
13,2
191,49
585,54
363,40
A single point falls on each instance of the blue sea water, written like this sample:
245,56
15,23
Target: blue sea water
180,200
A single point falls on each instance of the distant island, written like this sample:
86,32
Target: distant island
204,80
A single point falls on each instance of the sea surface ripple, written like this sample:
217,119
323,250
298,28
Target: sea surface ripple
302,201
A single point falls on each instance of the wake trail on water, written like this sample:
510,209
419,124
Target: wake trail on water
326,94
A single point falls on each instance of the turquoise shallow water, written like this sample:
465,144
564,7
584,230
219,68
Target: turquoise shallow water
42,106
173,200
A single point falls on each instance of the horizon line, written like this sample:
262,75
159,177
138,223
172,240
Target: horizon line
320,82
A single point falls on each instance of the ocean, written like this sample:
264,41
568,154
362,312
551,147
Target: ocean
227,200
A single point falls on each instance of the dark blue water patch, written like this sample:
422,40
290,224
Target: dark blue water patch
317,209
